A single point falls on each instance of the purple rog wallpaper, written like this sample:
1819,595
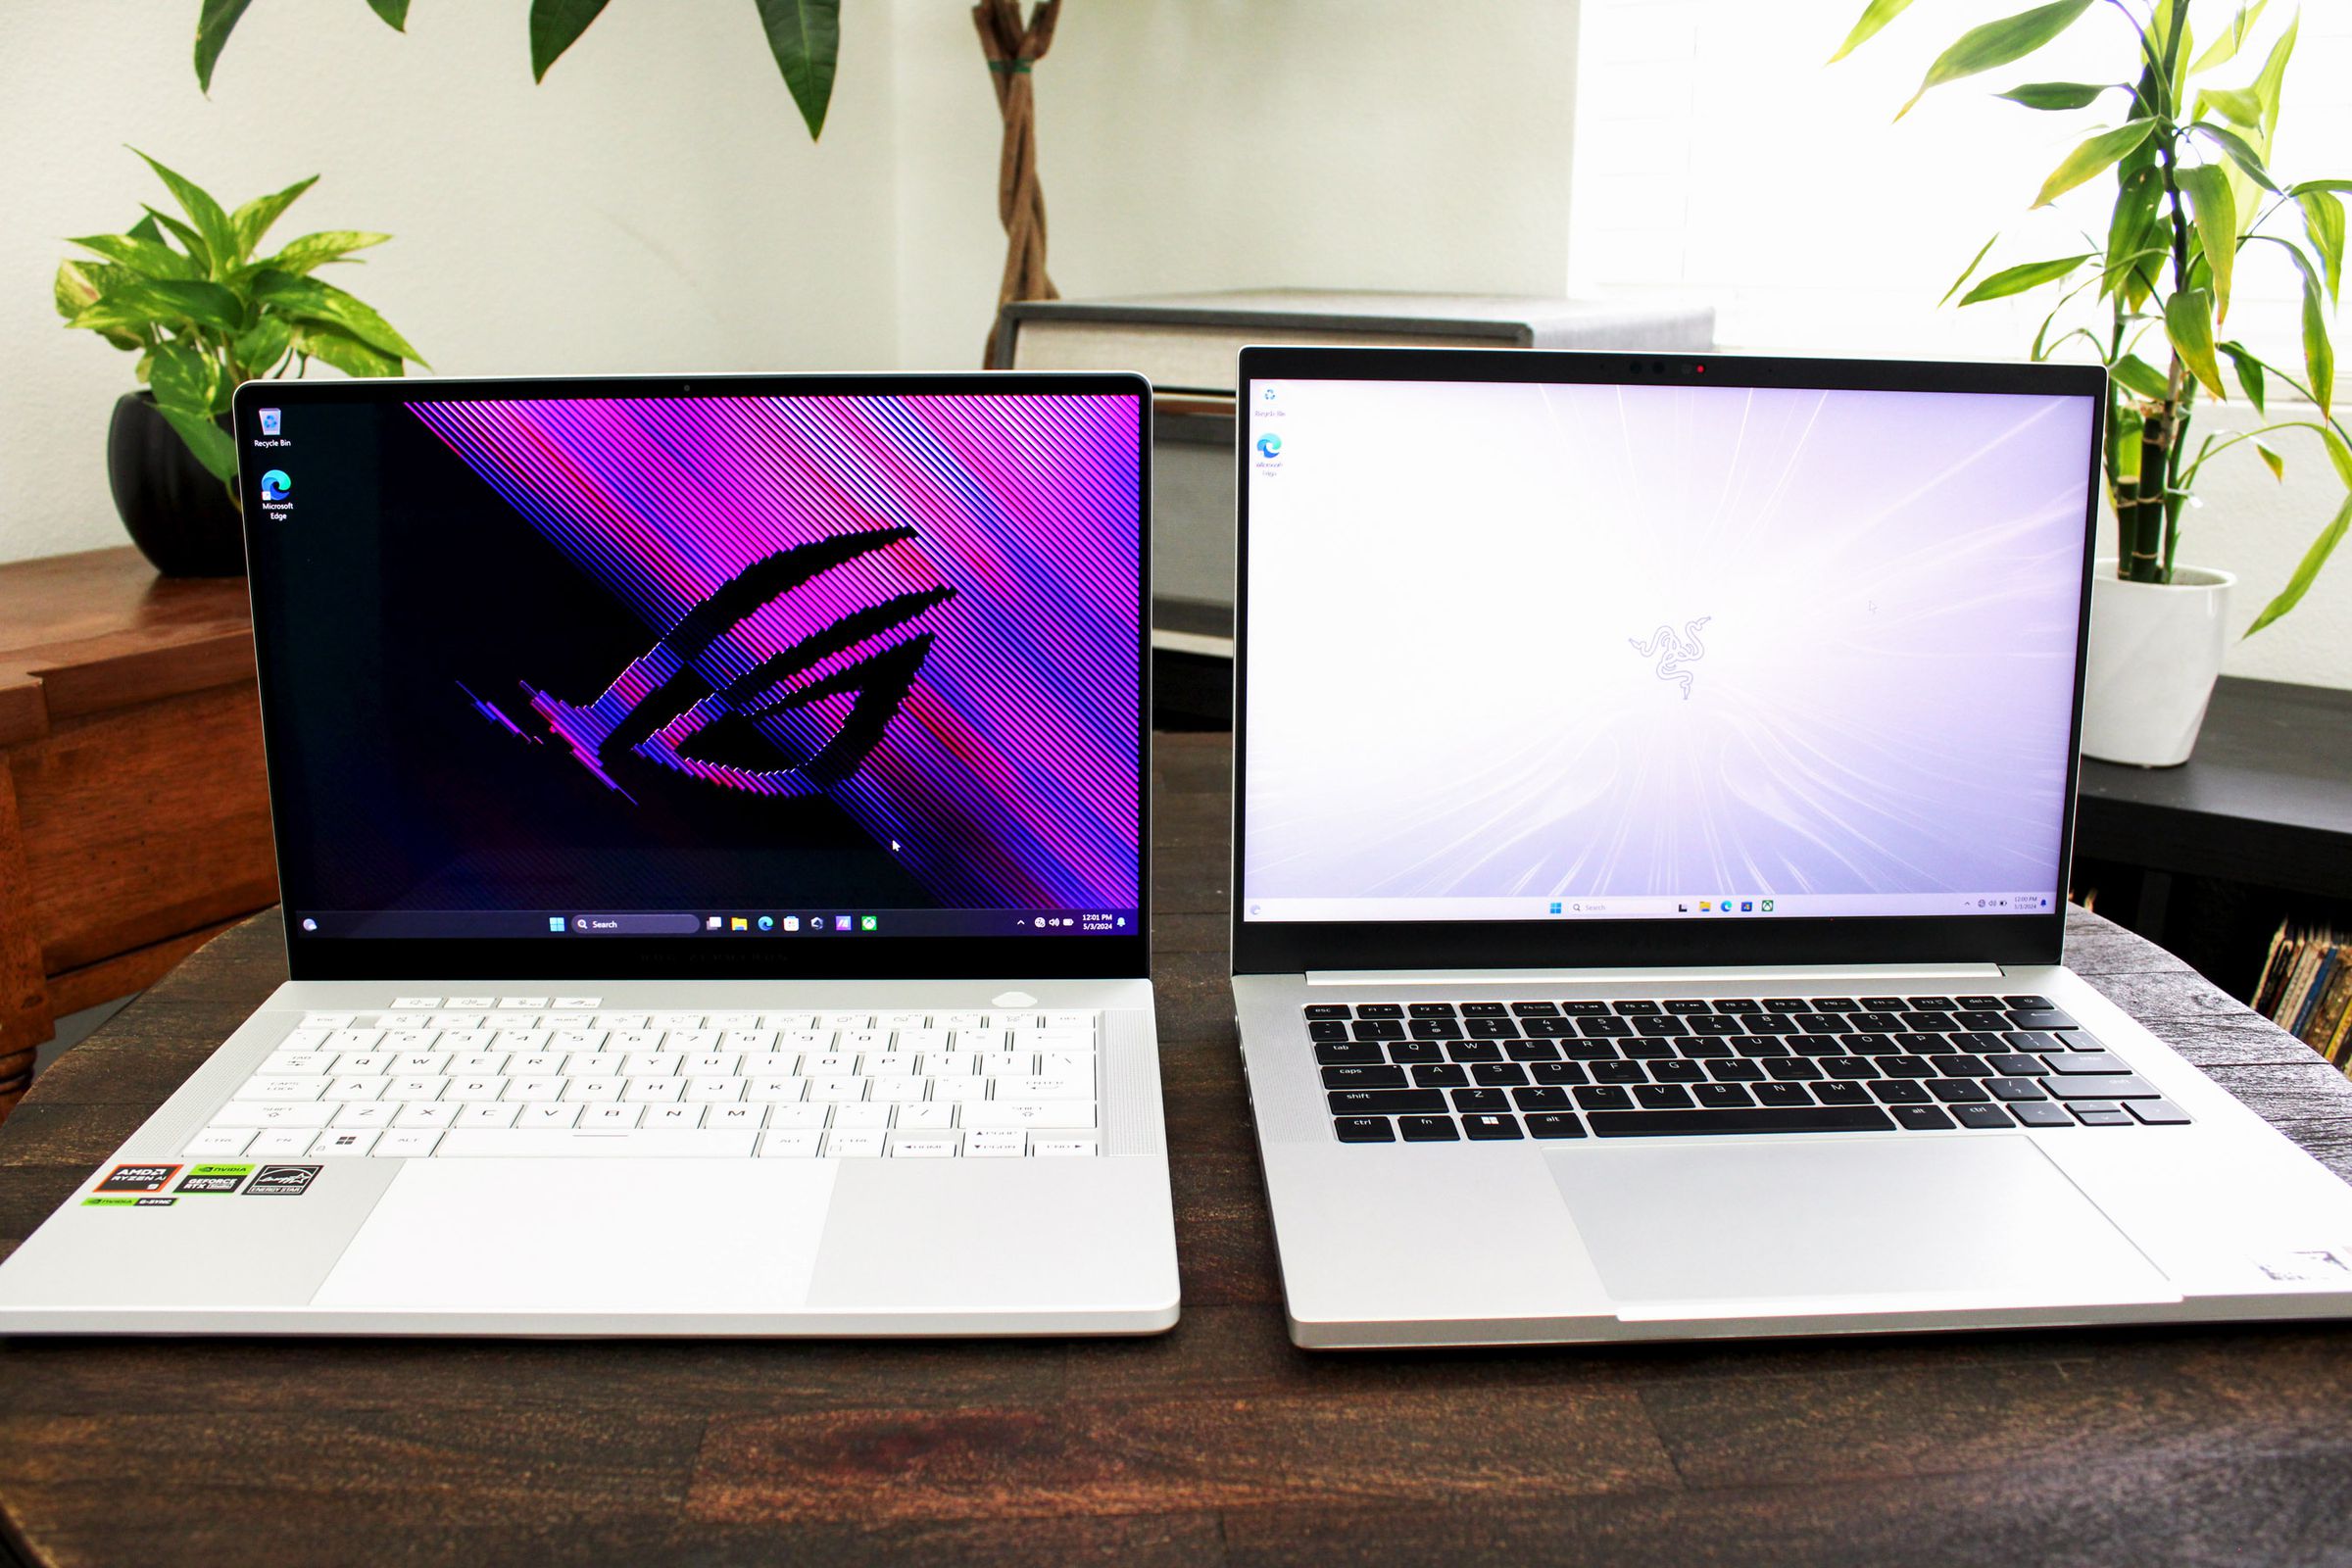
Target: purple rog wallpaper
684,652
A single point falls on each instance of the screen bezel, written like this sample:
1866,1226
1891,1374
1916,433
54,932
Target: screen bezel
1291,947
754,956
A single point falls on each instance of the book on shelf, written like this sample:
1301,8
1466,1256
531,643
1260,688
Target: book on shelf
2306,988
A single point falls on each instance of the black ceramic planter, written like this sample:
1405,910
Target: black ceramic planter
178,514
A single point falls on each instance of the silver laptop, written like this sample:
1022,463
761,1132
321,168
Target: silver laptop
1652,788
710,823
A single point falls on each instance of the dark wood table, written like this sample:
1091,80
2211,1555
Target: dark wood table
1217,1442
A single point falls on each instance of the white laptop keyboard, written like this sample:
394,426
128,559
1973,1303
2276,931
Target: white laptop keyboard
521,1077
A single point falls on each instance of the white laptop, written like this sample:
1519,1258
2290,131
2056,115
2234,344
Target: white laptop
1653,780
710,823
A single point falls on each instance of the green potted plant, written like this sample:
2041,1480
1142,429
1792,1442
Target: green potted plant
2150,299
204,308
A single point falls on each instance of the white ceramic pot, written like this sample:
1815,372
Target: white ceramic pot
2155,649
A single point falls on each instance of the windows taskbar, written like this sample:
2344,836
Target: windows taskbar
728,924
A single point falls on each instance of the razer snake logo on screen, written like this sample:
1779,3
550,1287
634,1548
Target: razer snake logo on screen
1673,650
665,699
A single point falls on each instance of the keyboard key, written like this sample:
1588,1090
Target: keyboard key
1604,1096
1365,1130
215,1141
1958,1092
2103,1115
2040,1018
248,1113
1429,1129
1327,1010
1897,1092
1062,1148
802,1145
1430,1009
2157,1113
1662,1096
1922,1118
924,1148
1555,1126
1380,1010
857,1145
1839,1092
1328,1030
1058,1116
1492,1128
2014,1089
994,1143
2079,1089
1722,1096
1383,1077
340,1142
414,1142
1498,1074
2027,1004
1677,1123
275,1142
1783,1095
927,1116
1984,1118
2074,1064
1480,1100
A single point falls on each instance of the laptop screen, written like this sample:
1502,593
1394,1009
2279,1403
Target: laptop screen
834,665
1530,652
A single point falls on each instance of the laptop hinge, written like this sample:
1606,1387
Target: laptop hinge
1650,978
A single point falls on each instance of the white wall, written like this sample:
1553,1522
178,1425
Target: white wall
654,204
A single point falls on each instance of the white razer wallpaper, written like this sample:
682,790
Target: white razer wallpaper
1637,649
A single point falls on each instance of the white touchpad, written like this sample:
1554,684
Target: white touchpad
1851,1225
588,1235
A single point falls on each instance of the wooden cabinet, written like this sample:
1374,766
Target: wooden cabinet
134,816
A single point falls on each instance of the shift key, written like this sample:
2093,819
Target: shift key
1383,1101
1066,1085
1065,1115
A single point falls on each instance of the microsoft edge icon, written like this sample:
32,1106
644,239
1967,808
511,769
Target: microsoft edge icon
1269,445
276,485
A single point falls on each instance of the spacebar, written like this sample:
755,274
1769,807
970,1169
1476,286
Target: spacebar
542,1143
1765,1119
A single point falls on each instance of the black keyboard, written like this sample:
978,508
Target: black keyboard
1486,1071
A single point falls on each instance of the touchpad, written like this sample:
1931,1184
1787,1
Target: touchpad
612,1235
1964,1221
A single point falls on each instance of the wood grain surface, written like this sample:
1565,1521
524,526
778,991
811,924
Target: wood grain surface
1217,1442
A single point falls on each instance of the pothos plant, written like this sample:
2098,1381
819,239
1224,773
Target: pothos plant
2193,191
204,310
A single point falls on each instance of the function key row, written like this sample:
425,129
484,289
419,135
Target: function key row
401,1017
1695,1007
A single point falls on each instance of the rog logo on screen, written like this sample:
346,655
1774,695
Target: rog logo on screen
666,705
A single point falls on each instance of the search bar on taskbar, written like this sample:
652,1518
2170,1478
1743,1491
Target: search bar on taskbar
635,925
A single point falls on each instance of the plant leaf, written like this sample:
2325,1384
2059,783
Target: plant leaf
72,289
2216,212
2338,454
2188,322
317,250
213,24
2342,187
394,12
219,236
1969,270
2017,279
2240,151
2307,569
189,239
253,220
148,257
805,36
2056,94
2324,223
262,345
2225,49
2249,372
1874,16
2273,76
2094,157
182,379
2142,377
306,298
2139,190
556,25
2237,104
1995,44
2271,461
346,353
210,444
169,300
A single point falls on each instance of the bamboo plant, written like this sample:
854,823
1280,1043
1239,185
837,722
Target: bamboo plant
2193,191
204,311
